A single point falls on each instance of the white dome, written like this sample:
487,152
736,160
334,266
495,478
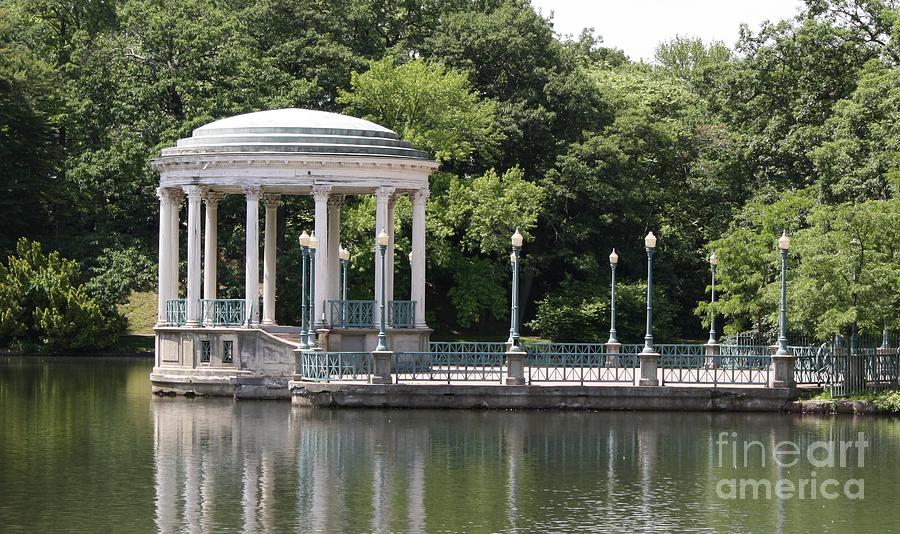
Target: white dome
295,131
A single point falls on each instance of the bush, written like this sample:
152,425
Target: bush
579,312
44,307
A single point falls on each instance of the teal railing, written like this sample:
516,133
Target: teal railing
223,312
455,347
176,311
449,366
335,366
402,313
577,362
352,313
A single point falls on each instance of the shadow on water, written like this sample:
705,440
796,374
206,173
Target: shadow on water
85,446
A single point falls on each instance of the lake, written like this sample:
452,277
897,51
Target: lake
85,447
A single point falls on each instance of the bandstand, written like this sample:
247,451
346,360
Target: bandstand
208,345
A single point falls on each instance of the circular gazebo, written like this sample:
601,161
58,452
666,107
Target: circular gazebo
264,156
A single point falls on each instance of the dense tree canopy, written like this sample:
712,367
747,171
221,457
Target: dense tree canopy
713,147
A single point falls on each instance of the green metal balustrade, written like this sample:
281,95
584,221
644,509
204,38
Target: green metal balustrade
176,312
318,366
223,312
352,313
402,313
577,362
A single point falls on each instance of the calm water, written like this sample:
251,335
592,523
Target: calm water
84,447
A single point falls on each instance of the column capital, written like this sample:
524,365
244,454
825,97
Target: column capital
384,194
212,198
252,192
194,192
320,193
335,200
170,194
420,196
272,201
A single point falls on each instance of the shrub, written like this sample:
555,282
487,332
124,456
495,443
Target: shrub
579,312
44,307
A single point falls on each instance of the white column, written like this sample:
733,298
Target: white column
272,202
389,255
165,236
211,245
417,291
334,248
195,195
175,243
320,195
382,199
251,270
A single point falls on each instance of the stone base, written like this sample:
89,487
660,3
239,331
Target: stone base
515,368
781,374
382,367
649,366
317,394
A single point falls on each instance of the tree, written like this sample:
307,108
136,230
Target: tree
748,270
428,105
45,308
849,274
688,55
863,136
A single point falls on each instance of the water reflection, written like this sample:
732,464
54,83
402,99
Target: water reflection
266,467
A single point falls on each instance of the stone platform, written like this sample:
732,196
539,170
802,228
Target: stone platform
572,397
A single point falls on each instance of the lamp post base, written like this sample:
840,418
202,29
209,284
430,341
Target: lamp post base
382,367
781,373
649,366
515,368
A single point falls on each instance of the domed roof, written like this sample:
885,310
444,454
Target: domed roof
292,130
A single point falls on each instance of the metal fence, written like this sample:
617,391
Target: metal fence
176,311
449,366
223,312
577,362
352,313
317,366
402,313
735,365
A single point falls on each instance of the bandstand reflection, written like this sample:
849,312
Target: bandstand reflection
266,467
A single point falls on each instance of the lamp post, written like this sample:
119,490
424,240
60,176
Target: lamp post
304,255
513,341
784,243
650,246
311,334
344,256
382,240
713,262
613,261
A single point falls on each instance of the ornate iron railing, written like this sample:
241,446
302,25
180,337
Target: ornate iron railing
352,313
813,365
176,311
456,347
402,313
449,366
577,362
223,312
736,364
316,366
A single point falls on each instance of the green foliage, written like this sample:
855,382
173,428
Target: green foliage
428,105
118,272
849,272
888,401
579,312
863,143
44,308
748,269
686,56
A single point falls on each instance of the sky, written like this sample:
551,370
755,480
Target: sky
637,26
